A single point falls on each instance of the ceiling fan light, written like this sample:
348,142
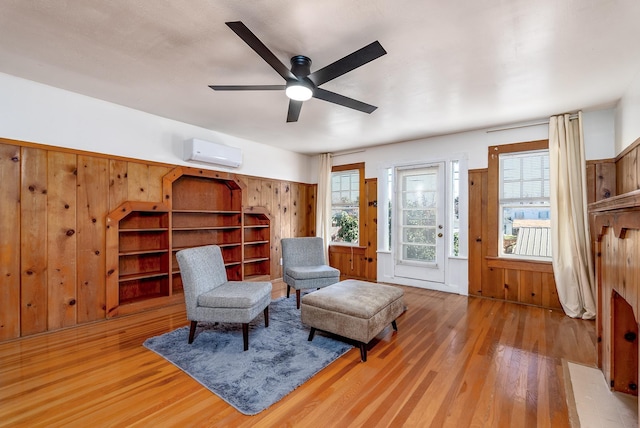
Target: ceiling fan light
299,92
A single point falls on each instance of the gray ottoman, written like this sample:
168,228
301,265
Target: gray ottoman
357,310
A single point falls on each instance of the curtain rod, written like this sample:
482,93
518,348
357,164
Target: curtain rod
526,125
334,155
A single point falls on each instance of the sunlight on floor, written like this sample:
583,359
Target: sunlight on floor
596,404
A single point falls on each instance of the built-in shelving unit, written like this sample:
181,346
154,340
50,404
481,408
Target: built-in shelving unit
201,207
206,208
137,256
256,244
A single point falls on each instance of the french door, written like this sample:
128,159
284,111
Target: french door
418,222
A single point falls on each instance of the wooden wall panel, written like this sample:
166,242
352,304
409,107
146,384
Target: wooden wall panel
489,275
285,211
370,230
33,197
477,194
93,205
9,241
293,207
137,182
254,190
58,279
531,287
605,180
628,169
550,297
61,240
512,285
118,189
349,260
154,186
312,191
493,282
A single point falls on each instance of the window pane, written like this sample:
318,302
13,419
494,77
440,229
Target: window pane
524,204
419,217
455,213
421,253
345,196
526,231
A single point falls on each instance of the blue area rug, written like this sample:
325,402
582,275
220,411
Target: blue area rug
279,358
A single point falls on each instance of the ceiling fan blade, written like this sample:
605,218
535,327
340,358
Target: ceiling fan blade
254,43
332,97
294,110
248,87
348,63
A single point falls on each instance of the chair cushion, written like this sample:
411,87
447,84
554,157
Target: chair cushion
235,294
312,272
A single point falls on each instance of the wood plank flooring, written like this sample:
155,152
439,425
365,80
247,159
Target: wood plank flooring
456,361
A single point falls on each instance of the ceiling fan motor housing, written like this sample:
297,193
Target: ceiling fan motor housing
301,65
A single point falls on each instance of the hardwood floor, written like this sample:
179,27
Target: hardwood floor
456,361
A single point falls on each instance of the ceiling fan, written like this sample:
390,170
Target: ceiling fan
301,84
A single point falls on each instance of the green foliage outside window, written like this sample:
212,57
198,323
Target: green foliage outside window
347,227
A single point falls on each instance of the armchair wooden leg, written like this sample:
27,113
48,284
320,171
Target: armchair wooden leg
312,333
245,335
192,330
394,325
266,316
298,299
288,290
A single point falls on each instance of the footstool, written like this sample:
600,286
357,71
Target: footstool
357,310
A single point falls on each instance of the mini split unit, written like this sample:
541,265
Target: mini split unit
213,153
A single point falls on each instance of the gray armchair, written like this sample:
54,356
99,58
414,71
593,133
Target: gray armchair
210,297
304,266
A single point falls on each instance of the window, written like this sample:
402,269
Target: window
455,209
347,182
524,209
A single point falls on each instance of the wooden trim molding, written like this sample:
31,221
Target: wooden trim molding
628,149
523,265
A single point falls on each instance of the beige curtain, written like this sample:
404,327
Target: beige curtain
572,264
323,202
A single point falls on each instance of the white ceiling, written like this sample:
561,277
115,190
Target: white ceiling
451,65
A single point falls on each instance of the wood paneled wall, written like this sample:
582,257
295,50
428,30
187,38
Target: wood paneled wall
53,205
615,231
518,281
489,276
627,169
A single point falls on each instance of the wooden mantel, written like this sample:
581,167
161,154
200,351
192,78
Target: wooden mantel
615,229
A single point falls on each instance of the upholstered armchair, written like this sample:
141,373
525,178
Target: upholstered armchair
210,297
304,266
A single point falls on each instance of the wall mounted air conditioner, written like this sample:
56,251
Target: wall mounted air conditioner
209,152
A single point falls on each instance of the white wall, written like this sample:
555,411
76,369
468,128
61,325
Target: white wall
598,128
628,117
599,138
34,112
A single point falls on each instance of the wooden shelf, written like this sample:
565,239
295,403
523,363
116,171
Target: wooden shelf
178,229
155,229
207,212
135,277
262,259
141,252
